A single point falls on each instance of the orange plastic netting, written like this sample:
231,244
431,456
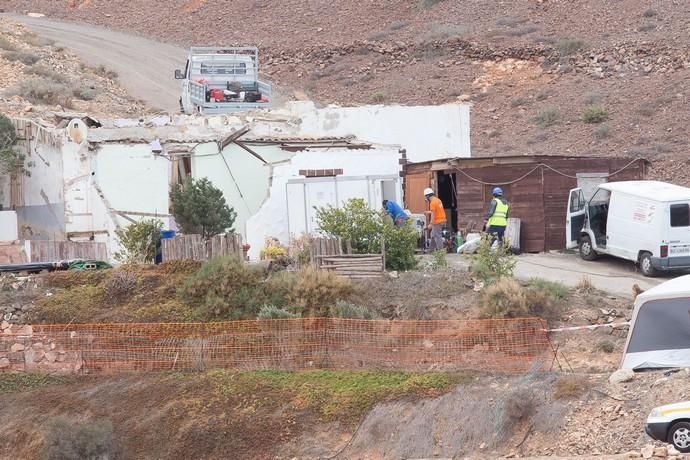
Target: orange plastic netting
509,345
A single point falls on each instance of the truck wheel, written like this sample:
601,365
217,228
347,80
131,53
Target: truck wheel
587,252
679,436
646,266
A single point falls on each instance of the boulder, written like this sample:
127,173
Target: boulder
622,376
647,451
4,363
17,347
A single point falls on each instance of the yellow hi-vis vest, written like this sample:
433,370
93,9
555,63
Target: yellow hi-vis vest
500,216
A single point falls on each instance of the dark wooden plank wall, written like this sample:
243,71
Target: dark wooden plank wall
539,200
525,197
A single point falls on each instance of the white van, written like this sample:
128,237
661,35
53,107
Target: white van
647,222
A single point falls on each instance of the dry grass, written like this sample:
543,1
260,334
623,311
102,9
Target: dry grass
585,285
25,57
570,46
36,40
315,291
441,31
40,90
595,114
7,45
47,73
547,117
504,299
570,387
606,346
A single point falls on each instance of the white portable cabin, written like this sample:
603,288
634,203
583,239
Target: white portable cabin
643,221
659,336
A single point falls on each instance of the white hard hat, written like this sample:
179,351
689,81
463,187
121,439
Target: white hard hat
428,191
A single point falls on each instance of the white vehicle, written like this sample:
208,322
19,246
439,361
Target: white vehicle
671,424
222,80
647,222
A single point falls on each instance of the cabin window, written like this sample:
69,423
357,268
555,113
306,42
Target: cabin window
680,215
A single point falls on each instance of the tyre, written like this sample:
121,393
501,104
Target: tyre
646,266
587,252
679,436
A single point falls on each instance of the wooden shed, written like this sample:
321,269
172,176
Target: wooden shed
536,187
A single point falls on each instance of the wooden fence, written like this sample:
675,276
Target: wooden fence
194,247
328,254
54,251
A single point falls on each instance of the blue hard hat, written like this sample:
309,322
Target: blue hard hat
497,191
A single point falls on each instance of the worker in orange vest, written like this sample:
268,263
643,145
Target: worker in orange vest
437,221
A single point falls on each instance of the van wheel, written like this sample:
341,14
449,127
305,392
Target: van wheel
679,436
646,266
587,252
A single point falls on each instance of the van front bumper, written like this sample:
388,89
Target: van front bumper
671,263
657,431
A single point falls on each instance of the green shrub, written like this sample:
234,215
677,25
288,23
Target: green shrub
67,440
12,161
139,241
547,117
350,310
490,263
401,243
364,228
595,114
378,97
554,289
273,312
225,288
439,260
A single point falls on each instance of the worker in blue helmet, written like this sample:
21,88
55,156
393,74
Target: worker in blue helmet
497,216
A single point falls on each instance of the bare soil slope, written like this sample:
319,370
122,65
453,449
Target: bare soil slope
532,69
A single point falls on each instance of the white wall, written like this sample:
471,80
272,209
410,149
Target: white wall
426,132
272,219
130,177
247,187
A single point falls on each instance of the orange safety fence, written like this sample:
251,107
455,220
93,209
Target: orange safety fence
499,345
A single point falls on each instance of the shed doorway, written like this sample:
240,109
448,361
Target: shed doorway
448,195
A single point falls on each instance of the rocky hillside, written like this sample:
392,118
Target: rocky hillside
544,76
40,79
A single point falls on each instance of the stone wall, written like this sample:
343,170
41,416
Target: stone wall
22,350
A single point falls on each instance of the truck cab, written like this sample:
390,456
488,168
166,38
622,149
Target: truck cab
647,222
222,80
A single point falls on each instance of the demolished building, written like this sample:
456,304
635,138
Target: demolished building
274,167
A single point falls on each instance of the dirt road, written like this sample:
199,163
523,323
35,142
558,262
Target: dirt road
145,67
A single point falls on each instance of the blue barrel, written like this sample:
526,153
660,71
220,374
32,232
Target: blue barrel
167,234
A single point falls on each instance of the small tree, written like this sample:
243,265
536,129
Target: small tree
492,263
139,242
200,208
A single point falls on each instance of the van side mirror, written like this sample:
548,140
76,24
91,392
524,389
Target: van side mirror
179,75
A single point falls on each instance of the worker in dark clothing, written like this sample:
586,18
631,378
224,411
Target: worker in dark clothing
497,216
397,213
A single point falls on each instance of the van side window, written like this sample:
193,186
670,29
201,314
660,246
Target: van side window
680,215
